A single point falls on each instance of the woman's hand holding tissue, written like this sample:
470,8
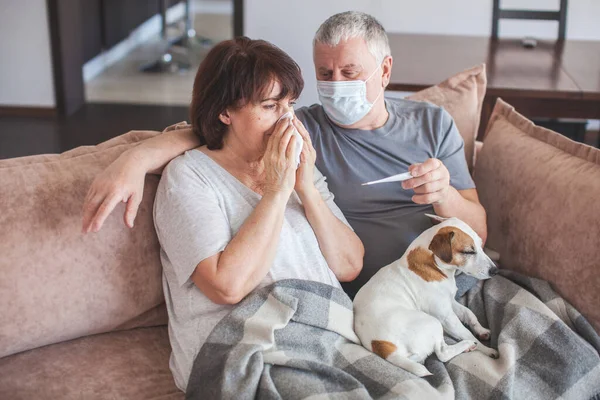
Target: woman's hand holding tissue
279,160
305,171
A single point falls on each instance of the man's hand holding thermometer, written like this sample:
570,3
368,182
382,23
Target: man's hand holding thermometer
430,181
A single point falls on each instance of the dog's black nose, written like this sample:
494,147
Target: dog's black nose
494,271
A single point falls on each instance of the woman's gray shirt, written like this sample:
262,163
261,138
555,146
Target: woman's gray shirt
199,208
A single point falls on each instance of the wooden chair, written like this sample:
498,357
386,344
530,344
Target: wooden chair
560,16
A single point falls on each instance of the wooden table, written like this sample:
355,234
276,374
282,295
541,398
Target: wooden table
548,81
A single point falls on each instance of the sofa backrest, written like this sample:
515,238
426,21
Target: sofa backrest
56,283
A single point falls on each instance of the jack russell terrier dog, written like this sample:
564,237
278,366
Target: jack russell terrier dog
402,312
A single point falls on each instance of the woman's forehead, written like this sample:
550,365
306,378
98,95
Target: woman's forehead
273,91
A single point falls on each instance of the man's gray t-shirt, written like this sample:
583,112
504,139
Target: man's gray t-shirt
384,215
199,207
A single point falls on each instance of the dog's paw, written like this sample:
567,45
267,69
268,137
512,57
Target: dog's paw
483,334
488,351
472,348
491,353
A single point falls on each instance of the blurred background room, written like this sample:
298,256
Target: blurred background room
78,72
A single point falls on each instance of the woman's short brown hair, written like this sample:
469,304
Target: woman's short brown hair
234,73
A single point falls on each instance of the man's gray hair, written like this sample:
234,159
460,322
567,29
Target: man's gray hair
351,24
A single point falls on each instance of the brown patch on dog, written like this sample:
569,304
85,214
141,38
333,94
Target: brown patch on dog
383,348
422,263
449,242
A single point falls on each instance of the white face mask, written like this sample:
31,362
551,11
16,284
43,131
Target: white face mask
345,102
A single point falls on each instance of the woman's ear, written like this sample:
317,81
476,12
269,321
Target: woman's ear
225,118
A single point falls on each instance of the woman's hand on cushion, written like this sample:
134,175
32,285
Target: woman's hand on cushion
279,160
121,181
305,172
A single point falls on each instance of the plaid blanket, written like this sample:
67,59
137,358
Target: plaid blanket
294,340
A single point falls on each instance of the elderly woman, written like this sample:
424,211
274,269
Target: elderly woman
235,214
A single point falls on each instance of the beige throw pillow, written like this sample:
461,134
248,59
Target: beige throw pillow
541,192
462,96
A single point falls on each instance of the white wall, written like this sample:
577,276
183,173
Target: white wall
25,58
292,24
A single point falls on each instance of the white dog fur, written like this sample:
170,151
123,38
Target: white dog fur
401,314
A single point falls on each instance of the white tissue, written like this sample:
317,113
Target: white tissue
394,178
299,141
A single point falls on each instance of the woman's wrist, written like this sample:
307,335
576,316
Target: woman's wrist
138,158
309,194
278,197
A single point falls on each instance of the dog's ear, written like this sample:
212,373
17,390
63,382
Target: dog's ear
436,217
441,245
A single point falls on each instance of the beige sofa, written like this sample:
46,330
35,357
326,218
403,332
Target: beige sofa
83,316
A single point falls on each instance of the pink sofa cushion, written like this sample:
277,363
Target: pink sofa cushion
541,192
57,284
131,365
462,96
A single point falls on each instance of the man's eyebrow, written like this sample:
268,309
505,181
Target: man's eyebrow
325,69
270,98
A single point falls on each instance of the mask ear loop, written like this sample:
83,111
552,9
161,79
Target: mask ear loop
373,73
381,91
377,98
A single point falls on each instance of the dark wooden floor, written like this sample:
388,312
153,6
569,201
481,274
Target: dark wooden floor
92,124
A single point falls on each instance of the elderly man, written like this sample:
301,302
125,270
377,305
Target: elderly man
359,136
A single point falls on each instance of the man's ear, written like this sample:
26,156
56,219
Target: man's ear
436,217
225,118
441,245
386,67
